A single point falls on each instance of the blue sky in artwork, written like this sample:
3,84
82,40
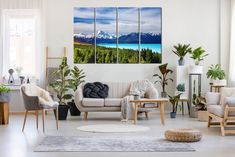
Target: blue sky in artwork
128,19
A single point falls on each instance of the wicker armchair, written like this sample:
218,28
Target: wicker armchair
221,108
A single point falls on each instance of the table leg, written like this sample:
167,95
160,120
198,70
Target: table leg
136,113
162,112
182,108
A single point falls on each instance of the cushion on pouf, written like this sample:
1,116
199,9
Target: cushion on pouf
95,90
183,135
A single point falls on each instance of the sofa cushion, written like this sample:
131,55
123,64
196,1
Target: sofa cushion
93,102
112,102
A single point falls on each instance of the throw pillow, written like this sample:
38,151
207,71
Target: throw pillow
95,90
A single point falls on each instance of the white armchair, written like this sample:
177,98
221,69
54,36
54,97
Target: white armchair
221,107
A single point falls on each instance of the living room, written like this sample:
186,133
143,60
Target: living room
117,77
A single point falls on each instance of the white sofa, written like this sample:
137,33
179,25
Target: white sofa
117,90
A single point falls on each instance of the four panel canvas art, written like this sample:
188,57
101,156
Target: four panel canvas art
117,35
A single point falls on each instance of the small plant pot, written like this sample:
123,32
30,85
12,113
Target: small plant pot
181,62
73,109
195,69
173,114
63,112
4,97
163,94
220,82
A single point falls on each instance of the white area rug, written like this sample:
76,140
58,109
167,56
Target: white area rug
114,128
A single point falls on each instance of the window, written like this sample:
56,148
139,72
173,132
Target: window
20,41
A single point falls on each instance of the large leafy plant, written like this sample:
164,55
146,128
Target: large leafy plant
181,50
78,76
4,89
62,85
216,72
198,55
163,79
174,100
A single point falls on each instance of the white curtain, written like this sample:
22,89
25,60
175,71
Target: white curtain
27,4
232,46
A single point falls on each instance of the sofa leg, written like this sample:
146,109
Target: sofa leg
85,115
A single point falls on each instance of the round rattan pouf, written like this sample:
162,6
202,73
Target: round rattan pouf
183,135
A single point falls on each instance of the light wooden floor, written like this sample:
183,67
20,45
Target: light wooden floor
14,143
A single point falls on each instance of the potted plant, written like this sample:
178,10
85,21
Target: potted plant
163,79
217,75
174,100
181,90
200,105
198,55
4,93
181,51
61,86
77,78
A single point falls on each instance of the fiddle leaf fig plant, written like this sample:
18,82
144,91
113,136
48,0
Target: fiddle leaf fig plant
78,76
62,85
163,78
198,55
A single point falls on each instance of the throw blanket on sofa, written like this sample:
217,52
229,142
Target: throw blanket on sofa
137,87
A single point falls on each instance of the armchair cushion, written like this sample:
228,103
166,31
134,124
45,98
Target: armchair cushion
217,110
230,101
212,98
43,95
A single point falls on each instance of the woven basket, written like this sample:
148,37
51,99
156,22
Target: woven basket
183,135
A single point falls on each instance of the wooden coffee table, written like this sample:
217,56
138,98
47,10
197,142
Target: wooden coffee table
139,103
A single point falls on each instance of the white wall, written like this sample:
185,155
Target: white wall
184,21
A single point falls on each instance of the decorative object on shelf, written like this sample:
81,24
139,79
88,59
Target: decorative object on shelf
217,75
78,76
19,70
174,100
11,78
198,55
22,79
136,97
134,45
4,93
181,51
61,86
183,135
163,79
